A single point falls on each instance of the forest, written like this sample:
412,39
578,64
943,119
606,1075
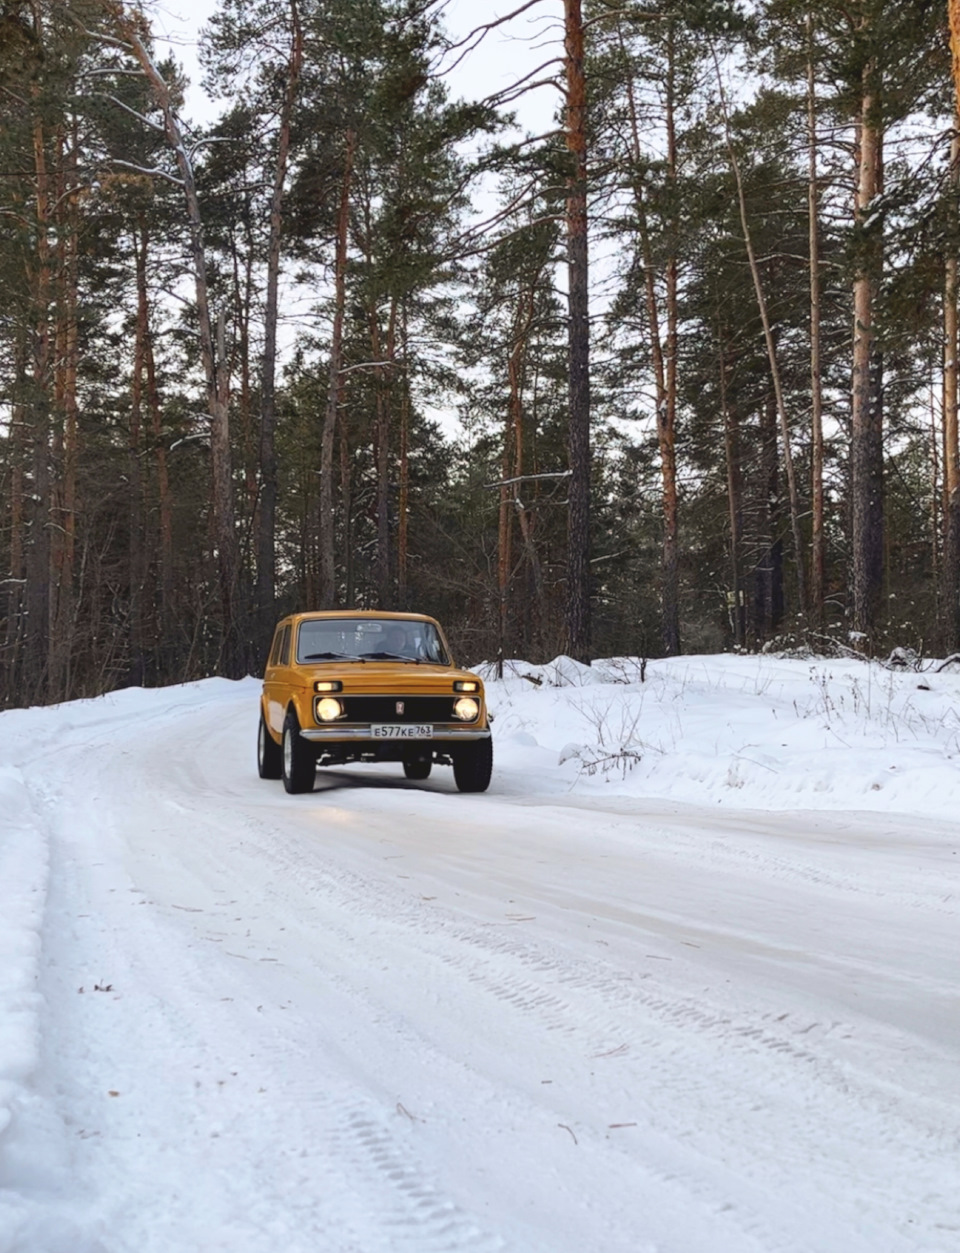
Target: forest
678,375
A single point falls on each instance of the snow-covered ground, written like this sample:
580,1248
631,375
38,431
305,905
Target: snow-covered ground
686,979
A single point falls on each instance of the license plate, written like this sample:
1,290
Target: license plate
401,731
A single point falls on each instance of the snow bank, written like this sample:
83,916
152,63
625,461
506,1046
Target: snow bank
23,887
23,880
22,731
754,731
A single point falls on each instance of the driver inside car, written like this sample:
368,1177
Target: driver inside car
396,642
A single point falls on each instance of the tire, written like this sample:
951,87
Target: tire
473,765
298,758
418,768
269,753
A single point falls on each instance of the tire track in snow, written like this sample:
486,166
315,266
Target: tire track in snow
543,991
170,1044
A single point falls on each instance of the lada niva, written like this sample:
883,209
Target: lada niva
357,685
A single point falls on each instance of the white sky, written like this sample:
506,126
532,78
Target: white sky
502,58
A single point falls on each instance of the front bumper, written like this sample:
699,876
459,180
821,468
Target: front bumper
341,735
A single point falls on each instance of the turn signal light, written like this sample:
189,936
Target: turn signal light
466,685
328,685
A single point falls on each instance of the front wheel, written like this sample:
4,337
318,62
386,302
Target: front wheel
269,753
473,765
299,758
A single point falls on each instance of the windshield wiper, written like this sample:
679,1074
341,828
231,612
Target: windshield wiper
330,657
392,657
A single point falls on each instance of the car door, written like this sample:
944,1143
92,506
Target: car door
274,684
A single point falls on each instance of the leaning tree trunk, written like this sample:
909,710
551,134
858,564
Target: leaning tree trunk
768,336
578,526
214,365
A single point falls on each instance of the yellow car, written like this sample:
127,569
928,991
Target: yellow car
358,685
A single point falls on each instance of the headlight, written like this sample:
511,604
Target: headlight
328,709
466,709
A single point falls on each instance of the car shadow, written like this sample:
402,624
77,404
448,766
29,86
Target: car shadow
331,780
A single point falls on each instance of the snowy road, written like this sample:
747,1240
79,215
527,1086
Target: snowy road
389,1018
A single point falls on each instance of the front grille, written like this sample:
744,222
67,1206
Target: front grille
384,709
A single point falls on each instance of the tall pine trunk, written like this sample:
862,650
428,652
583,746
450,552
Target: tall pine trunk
403,500
166,625
66,451
866,449
265,595
385,356
950,579
327,530
731,448
16,582
667,412
817,538
578,527
38,572
664,362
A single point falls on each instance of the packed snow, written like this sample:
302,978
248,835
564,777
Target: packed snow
685,980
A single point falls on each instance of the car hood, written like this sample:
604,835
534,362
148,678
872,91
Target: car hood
387,676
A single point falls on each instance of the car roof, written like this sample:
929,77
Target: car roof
316,614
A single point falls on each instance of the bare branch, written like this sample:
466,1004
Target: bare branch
155,172
103,95
479,33
527,478
506,94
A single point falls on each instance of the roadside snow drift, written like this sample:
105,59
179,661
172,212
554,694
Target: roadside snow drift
684,980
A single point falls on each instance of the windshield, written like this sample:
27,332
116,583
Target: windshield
376,639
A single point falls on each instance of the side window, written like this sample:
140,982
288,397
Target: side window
285,647
275,651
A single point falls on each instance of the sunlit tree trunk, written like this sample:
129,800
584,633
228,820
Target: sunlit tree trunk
866,451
